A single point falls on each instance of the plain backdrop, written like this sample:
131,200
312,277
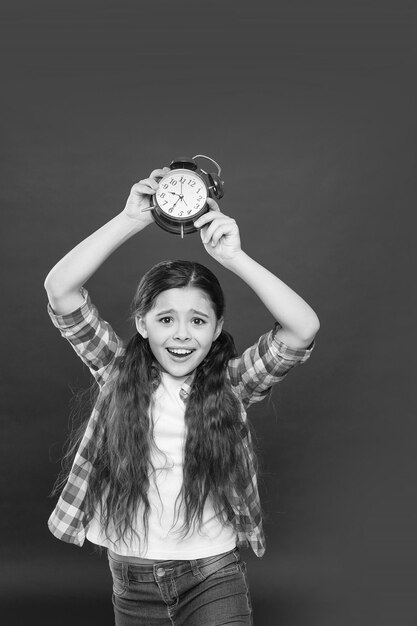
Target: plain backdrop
310,109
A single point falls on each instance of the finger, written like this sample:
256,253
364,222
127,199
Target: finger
221,230
159,173
203,233
217,230
226,224
213,204
146,186
208,217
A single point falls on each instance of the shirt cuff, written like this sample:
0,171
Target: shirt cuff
299,355
73,318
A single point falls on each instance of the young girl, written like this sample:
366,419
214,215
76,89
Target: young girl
165,474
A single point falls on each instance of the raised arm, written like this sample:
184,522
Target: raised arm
65,279
220,236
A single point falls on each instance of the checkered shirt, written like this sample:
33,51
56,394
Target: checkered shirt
251,377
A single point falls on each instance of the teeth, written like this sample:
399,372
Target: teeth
179,351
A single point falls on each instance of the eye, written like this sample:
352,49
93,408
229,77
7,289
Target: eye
198,321
165,320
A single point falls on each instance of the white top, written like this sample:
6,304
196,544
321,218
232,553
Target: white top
165,521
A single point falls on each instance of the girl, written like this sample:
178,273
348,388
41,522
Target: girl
164,476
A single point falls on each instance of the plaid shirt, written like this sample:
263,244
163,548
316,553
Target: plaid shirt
251,376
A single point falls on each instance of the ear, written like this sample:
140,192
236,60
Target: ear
219,328
141,327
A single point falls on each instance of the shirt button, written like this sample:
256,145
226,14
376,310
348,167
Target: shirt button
160,571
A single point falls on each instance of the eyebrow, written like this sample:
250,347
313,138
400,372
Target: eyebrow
191,311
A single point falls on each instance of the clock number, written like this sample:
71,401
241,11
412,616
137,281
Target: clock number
165,186
182,179
173,181
191,183
162,195
171,209
180,213
188,212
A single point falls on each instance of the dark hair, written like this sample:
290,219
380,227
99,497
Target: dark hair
176,274
216,463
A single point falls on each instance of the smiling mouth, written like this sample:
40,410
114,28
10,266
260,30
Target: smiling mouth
180,352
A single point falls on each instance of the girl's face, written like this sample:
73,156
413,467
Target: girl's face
180,328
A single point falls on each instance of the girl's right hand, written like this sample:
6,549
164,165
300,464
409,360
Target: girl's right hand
141,197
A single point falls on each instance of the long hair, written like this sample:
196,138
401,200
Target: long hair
216,463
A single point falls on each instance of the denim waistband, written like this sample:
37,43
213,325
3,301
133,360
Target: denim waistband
148,572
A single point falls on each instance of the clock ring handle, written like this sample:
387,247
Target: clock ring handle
203,156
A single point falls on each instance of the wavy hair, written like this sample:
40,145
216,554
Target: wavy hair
216,463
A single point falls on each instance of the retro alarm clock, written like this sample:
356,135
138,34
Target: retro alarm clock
182,194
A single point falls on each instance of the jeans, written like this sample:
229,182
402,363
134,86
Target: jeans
212,591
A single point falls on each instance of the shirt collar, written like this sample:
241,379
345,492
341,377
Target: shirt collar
186,385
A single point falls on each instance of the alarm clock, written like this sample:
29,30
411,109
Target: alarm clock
182,194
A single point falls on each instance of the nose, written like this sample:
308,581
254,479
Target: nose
182,332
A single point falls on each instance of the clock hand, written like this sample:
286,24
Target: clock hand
180,196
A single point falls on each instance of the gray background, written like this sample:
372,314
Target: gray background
310,109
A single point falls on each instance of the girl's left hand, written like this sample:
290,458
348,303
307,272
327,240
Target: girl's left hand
219,233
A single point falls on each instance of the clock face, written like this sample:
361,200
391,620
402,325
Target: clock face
181,194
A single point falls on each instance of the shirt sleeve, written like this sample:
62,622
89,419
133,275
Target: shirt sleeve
263,365
92,338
